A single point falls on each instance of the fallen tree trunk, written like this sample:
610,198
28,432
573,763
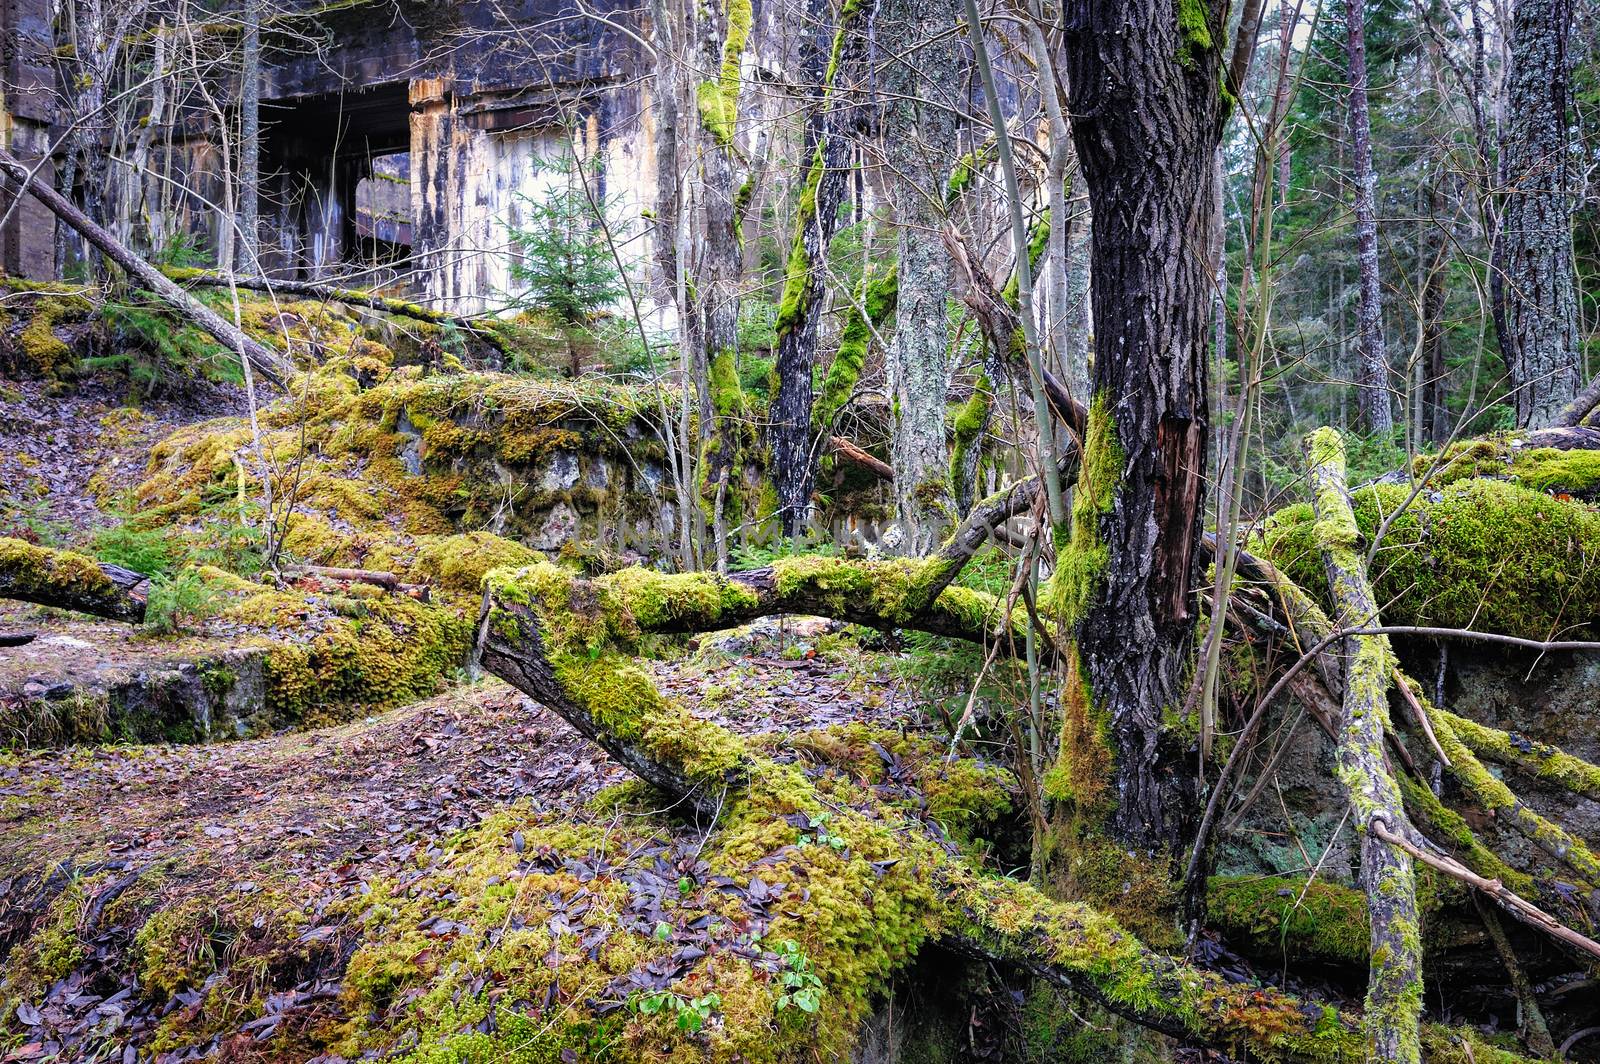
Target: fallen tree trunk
566,642
71,581
333,294
1394,981
269,363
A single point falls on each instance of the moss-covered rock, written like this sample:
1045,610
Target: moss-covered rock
1474,553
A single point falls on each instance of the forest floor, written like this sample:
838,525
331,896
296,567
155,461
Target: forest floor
52,446
323,813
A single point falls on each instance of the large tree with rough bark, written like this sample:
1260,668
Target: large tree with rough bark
1533,272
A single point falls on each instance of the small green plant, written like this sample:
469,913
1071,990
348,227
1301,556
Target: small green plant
820,835
563,264
176,603
144,550
692,1013
801,988
30,519
154,347
232,537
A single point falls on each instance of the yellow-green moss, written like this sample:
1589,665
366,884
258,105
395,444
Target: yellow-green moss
879,296
45,352
719,100
1289,915
460,562
1479,554
1547,469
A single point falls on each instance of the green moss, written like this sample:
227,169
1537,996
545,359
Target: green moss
1291,916
332,656
966,171
1546,469
1194,31
51,950
460,562
44,351
878,298
40,574
1478,554
1082,558
719,100
1538,759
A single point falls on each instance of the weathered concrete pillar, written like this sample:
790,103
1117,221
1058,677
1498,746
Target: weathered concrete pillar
27,108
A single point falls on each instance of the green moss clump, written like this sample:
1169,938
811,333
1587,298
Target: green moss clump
42,350
1194,31
966,171
1507,457
333,656
1292,916
878,299
1477,553
53,577
460,562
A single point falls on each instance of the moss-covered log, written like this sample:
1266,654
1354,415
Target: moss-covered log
70,581
1394,984
567,642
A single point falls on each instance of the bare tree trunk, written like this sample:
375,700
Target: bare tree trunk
1533,245
247,245
919,132
1146,96
1373,374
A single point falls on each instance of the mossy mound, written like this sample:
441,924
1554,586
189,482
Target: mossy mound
368,468
1519,458
613,934
332,655
1476,553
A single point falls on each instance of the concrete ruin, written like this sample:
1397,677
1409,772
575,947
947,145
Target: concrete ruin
401,139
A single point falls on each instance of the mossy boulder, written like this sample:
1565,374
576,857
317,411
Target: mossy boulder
1475,553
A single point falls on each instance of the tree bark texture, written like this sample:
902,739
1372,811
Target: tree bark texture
1145,91
1532,254
1373,371
247,249
1394,981
827,145
919,136
717,288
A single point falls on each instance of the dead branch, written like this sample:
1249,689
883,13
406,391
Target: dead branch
1493,887
269,363
843,448
1394,980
